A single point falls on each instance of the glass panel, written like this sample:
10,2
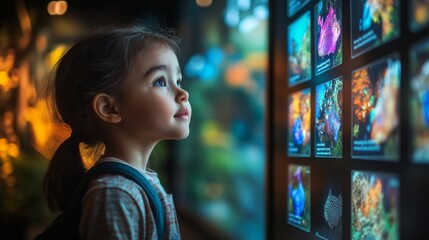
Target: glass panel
221,165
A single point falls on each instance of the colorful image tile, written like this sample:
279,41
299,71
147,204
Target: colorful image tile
295,5
329,113
419,14
299,123
299,208
374,22
419,101
374,206
328,21
299,49
375,110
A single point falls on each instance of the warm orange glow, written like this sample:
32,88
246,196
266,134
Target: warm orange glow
204,3
57,7
3,145
45,134
237,75
55,55
4,80
7,168
24,18
61,7
41,42
51,7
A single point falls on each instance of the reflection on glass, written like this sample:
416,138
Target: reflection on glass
419,101
220,167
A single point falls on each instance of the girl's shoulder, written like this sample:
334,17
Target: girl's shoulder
113,184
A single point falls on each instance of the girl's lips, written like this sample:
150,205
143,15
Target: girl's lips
183,114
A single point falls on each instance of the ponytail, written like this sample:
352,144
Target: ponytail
65,171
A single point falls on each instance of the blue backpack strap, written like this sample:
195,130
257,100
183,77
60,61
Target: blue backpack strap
136,176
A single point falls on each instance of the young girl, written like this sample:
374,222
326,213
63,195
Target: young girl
119,87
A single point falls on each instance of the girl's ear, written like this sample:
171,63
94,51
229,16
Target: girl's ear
105,108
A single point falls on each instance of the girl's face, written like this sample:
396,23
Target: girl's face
153,105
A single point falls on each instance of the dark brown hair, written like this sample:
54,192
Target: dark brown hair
97,63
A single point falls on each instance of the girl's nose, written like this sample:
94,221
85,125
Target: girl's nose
182,96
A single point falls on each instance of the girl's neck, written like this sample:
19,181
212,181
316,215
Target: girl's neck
137,157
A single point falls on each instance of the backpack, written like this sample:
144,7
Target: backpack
66,225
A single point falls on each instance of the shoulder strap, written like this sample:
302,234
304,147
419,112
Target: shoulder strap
130,173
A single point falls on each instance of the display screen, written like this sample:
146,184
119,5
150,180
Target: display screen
374,205
419,101
375,110
299,123
373,23
419,14
295,5
329,112
328,35
299,197
328,193
299,49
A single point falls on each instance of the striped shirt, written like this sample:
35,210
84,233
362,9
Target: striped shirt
115,207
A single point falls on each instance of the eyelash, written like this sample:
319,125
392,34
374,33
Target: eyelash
160,82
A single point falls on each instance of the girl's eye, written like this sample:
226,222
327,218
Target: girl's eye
179,82
160,82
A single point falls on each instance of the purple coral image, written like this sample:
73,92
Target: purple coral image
327,30
299,197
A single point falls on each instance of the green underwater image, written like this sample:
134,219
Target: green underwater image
299,49
329,105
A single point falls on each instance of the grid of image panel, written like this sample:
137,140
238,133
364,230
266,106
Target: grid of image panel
387,59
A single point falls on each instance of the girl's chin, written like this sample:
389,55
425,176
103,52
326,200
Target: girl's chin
181,135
